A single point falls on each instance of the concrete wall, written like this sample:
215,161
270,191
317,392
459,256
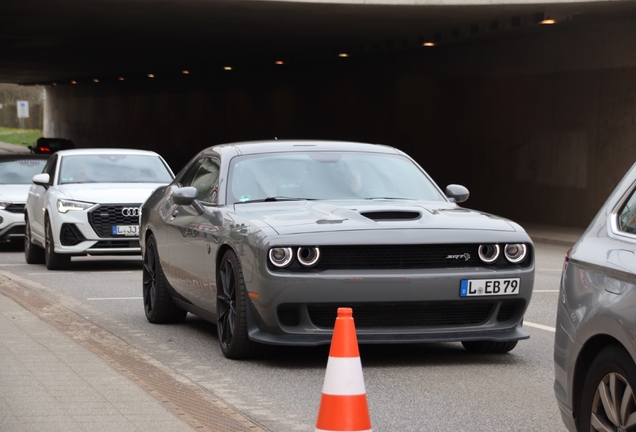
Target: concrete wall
539,127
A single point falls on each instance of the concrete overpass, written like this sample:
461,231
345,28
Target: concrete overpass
537,120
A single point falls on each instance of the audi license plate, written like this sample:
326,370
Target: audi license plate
127,230
488,287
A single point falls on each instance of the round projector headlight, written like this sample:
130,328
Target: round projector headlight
515,253
308,256
281,256
489,253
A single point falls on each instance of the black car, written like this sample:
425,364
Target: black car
51,145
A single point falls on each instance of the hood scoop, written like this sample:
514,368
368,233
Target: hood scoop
379,216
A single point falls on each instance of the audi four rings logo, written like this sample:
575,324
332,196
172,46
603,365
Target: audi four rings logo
131,211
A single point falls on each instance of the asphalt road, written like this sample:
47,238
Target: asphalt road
409,388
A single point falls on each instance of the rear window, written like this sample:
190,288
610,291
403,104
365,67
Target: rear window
20,171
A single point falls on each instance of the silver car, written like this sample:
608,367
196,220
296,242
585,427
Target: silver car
595,343
268,239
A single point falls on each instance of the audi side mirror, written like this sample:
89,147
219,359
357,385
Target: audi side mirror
457,193
42,180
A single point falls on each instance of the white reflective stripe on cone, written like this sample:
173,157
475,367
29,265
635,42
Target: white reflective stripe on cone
344,376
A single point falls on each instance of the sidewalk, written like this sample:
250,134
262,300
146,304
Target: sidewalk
48,382
61,372
12,148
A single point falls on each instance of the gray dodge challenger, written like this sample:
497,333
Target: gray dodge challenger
268,239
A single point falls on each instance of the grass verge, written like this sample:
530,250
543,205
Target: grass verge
20,136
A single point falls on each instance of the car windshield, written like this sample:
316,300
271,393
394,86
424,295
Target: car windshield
327,175
113,168
20,171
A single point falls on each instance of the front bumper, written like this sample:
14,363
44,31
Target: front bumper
12,225
390,306
75,235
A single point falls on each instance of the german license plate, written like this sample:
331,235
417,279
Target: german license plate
127,230
488,287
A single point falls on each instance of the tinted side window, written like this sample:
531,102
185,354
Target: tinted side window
204,176
627,215
49,168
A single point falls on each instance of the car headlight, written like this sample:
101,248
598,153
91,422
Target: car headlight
64,205
4,205
489,253
515,253
308,256
281,256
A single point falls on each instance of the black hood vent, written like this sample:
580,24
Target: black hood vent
391,215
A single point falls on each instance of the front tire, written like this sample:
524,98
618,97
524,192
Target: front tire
489,347
607,400
52,259
231,310
33,254
158,305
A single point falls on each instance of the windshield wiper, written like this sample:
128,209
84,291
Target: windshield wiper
395,198
275,198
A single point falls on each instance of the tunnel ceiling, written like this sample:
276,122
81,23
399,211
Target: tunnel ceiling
45,41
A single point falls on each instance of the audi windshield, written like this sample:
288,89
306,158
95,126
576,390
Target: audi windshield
113,168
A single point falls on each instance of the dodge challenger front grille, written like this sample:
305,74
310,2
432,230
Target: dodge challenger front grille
104,217
398,257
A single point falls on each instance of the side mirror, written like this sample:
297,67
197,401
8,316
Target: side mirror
42,179
188,196
457,193
184,196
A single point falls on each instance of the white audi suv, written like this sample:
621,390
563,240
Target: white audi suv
88,202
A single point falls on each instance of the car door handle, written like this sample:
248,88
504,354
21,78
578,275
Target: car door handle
174,215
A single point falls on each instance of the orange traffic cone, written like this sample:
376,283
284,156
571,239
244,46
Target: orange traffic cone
343,406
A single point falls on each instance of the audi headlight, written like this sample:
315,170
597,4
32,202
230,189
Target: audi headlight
515,253
489,253
281,256
64,205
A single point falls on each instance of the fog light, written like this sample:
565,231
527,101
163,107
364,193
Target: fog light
515,253
281,256
308,256
489,253
1,219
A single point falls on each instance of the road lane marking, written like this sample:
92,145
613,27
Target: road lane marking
115,298
534,291
81,272
539,326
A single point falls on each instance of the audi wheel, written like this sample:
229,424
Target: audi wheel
52,259
33,254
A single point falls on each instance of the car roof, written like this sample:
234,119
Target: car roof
106,151
272,146
23,156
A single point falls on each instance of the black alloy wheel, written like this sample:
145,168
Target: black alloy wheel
33,254
231,311
158,305
52,259
607,400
